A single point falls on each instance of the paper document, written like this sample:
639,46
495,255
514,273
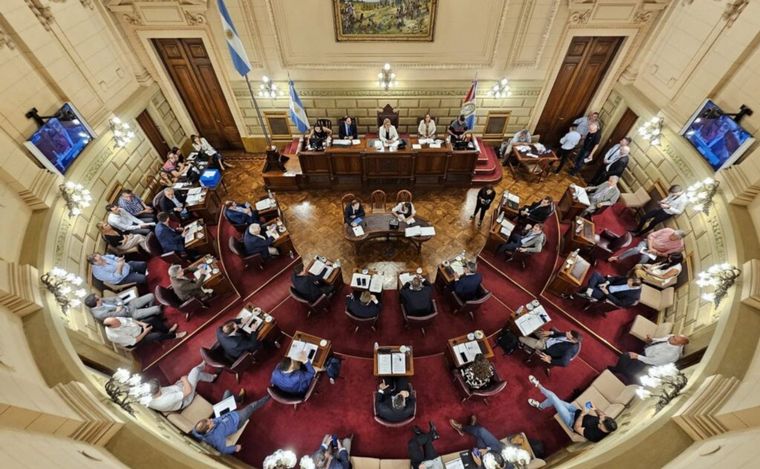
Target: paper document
513,198
180,185
384,364
376,284
355,141
416,146
412,231
467,352
427,231
529,323
358,230
507,227
457,267
194,191
297,347
398,363
523,148
341,142
189,236
225,406
360,280
581,195
455,464
405,278
265,204
317,267
435,145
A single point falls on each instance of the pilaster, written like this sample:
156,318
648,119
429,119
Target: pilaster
19,288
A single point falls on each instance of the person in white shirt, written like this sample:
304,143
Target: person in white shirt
614,162
404,211
125,221
520,137
658,352
179,395
426,129
201,145
128,332
673,204
567,144
387,133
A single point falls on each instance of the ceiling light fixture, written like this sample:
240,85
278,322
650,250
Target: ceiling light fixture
500,89
700,194
386,79
651,130
122,132
268,89
76,197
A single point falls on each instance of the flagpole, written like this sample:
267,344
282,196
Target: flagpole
258,114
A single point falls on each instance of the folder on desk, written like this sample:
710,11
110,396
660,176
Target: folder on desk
384,364
416,146
427,231
299,346
398,363
376,284
405,278
265,204
507,227
317,267
358,230
412,231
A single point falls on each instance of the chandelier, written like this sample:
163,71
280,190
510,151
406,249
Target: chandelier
500,89
663,382
122,132
125,389
280,459
65,286
720,278
268,89
701,194
651,131
76,197
386,79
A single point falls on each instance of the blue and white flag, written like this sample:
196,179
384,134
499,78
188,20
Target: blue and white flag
468,107
235,46
297,112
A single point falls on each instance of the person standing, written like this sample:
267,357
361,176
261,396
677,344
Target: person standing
582,123
615,161
483,202
567,144
588,146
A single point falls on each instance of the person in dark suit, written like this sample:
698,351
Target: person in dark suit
420,448
256,243
235,341
483,201
554,347
537,211
309,286
466,286
348,129
169,238
619,290
240,214
614,162
417,297
173,202
365,306
353,211
394,402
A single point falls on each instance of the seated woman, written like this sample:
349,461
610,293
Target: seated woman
662,273
364,306
318,136
353,211
119,241
387,133
404,211
479,373
215,158
426,129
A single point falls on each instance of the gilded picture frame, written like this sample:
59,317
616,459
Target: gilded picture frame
384,20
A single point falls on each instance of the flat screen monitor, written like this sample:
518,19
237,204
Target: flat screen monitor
717,137
62,138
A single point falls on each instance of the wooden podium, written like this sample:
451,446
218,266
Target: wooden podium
579,235
570,276
569,206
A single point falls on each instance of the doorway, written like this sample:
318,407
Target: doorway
150,129
583,69
189,67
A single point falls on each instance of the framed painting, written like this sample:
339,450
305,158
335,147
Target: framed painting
384,20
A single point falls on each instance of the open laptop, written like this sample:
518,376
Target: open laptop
224,406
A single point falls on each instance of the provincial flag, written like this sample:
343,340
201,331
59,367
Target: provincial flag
297,112
468,106
234,44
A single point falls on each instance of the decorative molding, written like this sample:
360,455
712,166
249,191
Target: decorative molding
98,422
42,12
733,10
6,40
194,19
524,23
697,416
411,93
20,288
88,4
579,16
131,19
750,294
642,15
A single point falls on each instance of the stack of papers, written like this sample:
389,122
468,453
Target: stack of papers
190,231
341,142
318,266
416,146
426,141
455,464
180,185
507,227
360,280
580,195
523,148
265,204
532,321
467,352
299,346
376,284
413,231
435,145
457,267
358,230
405,278
194,196
355,141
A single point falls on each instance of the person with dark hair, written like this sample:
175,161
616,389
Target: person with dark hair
318,136
240,214
215,431
483,201
353,211
348,129
202,146
672,205
537,212
457,128
420,449
426,128
404,211
365,305
589,144
590,423
179,395
114,306
117,271
169,239
394,402
487,446
554,347
417,296
235,341
615,161
479,373
333,453
662,273
130,202
293,376
309,286
466,286
619,290
125,222
119,241
530,241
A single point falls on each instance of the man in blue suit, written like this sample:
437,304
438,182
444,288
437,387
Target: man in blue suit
294,376
240,214
466,286
617,289
169,238
235,341
348,129
215,431
256,243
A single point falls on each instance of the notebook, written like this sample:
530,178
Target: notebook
427,231
398,363
358,230
384,363
376,284
299,346
225,406
413,231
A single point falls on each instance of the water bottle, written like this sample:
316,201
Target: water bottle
291,254
377,346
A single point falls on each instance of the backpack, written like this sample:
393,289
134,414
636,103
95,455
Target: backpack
507,340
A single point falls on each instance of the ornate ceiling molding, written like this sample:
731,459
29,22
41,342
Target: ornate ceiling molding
42,12
194,19
524,24
733,10
6,40
579,16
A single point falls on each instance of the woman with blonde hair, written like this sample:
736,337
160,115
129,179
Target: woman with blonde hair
121,242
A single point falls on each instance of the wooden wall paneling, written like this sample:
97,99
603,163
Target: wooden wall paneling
154,135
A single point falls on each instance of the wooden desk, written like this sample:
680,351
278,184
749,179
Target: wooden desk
271,213
207,208
372,273
283,242
538,166
579,235
570,276
569,206
522,311
217,281
268,331
201,242
388,349
457,360
323,351
336,276
445,275
496,237
377,225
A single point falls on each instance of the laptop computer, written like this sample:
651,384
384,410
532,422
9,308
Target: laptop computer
224,406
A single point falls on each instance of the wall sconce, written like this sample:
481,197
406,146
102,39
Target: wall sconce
66,287
76,197
664,382
720,277
125,389
651,131
701,194
280,459
500,89
267,88
122,132
386,78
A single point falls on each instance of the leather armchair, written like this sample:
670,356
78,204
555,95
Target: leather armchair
238,248
215,358
154,248
289,399
608,243
320,304
643,327
471,306
407,421
167,297
419,321
362,321
496,386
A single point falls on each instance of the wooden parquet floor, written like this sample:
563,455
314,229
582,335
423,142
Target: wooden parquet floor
315,220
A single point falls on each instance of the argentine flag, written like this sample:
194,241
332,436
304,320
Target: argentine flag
468,107
297,112
239,57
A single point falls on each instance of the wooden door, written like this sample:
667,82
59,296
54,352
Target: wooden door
622,129
583,69
190,69
154,135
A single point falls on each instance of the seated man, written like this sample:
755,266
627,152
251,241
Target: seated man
114,307
126,222
173,202
235,341
365,306
256,243
184,287
521,137
353,211
404,211
589,422
479,373
116,271
466,286
333,453
387,133
603,195
417,297
617,289
293,376
554,347
215,431
672,205
240,214
531,241
659,351
128,332
179,395
426,129
537,211
169,238
309,286
486,444
135,206
394,402
348,129
457,128
420,449
661,243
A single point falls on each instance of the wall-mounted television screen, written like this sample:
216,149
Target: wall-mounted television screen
717,137
61,139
